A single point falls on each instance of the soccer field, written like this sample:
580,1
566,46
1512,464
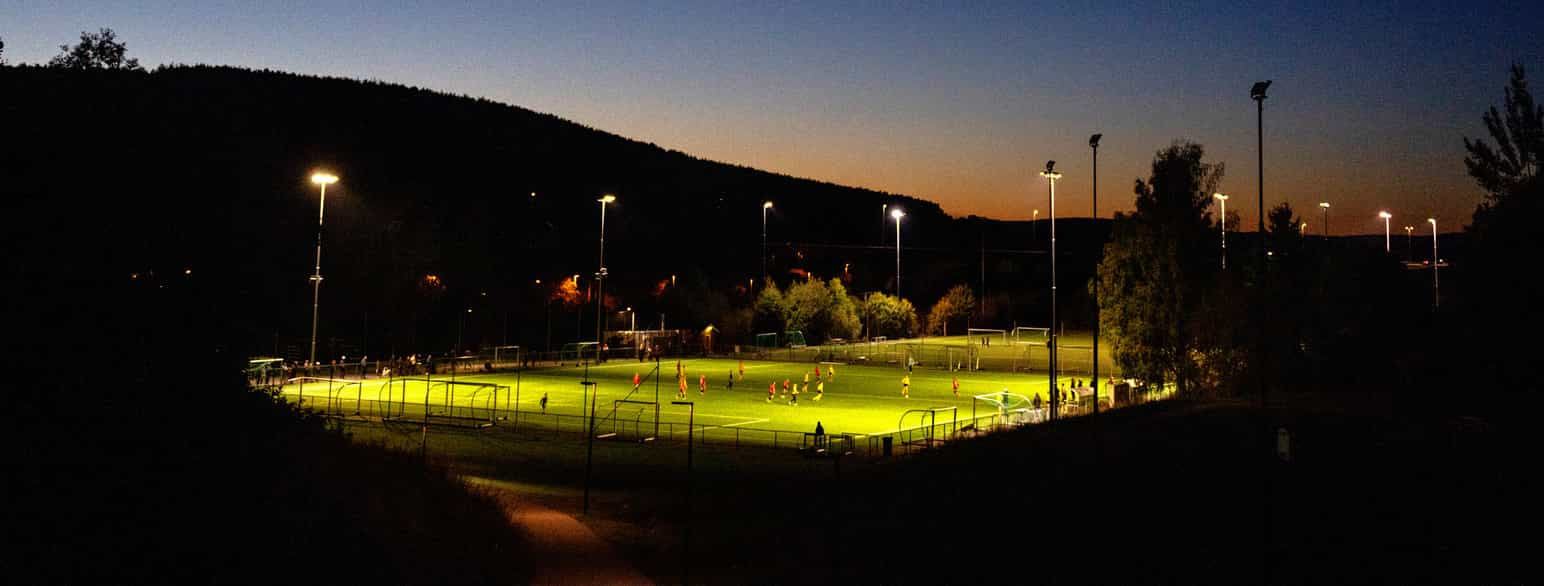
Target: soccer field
860,400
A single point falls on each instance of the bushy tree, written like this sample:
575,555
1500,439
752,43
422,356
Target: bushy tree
1502,231
1157,270
820,309
888,315
957,303
101,50
769,311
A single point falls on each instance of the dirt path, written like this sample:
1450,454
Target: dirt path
563,550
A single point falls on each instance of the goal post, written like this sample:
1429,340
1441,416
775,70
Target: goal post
1031,335
631,420
986,336
578,352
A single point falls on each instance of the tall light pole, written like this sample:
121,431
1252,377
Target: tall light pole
766,205
884,212
1034,227
897,214
600,274
1093,142
1436,295
1257,93
1224,200
1386,217
1324,206
1408,240
1051,174
322,179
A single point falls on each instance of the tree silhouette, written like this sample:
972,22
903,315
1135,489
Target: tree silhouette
96,51
1154,275
1519,136
959,302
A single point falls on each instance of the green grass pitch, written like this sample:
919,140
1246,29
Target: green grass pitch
864,400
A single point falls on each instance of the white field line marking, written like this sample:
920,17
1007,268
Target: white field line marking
739,424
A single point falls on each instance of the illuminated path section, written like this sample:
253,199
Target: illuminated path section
563,550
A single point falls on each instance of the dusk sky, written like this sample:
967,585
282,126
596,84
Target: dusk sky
961,103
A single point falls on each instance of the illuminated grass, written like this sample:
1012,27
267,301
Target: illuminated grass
858,400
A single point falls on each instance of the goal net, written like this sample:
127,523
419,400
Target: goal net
630,420
578,352
1028,335
1077,360
1013,409
986,336
794,338
766,341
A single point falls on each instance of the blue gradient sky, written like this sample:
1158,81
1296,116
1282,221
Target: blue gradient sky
956,102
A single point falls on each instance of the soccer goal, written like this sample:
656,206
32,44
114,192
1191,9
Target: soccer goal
1028,335
1012,409
578,352
630,420
462,402
766,341
1075,360
986,336
795,338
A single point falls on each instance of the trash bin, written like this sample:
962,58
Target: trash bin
884,445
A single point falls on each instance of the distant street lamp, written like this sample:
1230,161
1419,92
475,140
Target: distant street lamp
1386,216
600,274
1034,228
322,179
897,214
1051,174
767,205
1224,200
1436,295
1324,206
1408,239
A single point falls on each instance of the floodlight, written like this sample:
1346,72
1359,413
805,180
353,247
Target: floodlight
608,198
1258,91
324,178
1324,204
897,213
766,205
1093,141
1385,215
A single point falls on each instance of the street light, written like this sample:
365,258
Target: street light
1325,207
1224,199
1436,296
897,214
1034,228
323,179
1408,239
1051,174
600,274
766,205
1386,216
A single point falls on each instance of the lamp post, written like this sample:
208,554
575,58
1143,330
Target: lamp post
322,179
897,214
1408,239
1324,206
1034,228
1436,295
1052,175
1093,142
884,212
766,205
1224,223
600,274
1386,216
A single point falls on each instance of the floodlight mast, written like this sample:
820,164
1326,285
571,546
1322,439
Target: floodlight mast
1325,206
766,205
1436,295
1093,142
1052,175
897,214
1223,199
600,276
323,179
1257,93
1386,217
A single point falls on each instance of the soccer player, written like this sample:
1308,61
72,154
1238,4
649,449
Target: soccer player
817,372
636,381
806,377
742,371
794,398
785,387
956,387
682,384
820,390
702,384
544,403
831,371
771,391
906,386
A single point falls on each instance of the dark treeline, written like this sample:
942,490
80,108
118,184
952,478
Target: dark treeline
202,173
